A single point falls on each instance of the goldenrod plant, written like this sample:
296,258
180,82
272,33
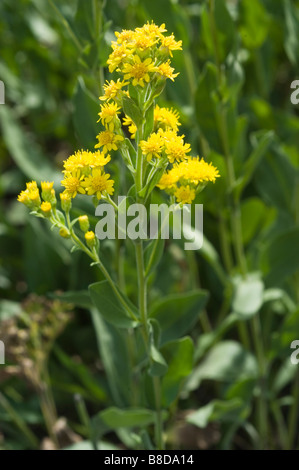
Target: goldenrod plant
154,154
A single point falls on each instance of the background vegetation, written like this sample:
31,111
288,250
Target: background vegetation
239,389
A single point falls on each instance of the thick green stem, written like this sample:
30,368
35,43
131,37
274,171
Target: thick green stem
142,301
142,287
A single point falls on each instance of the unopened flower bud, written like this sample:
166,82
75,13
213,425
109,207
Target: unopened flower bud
84,223
90,239
66,201
64,232
47,190
46,208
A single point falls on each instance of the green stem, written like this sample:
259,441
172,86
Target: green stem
95,257
139,163
142,301
225,245
142,288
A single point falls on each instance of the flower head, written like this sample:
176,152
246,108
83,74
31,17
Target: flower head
31,185
166,71
117,56
47,185
108,140
185,194
46,208
112,89
167,118
141,40
98,183
196,171
125,36
108,114
175,148
90,239
152,29
152,147
66,201
24,198
139,70
73,183
170,44
168,180
84,223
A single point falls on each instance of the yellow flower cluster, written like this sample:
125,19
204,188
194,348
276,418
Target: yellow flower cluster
165,143
143,55
164,119
188,177
31,197
84,173
143,58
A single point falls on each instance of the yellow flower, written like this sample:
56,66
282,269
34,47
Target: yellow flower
166,71
98,183
100,159
166,117
185,194
170,44
90,239
108,114
125,36
197,171
108,140
152,147
152,29
73,183
81,159
117,56
47,187
31,185
84,223
46,208
112,89
168,180
66,201
139,70
175,150
141,41
24,198
34,196
127,121
84,160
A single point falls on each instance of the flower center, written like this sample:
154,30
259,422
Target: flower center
99,183
139,70
72,183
